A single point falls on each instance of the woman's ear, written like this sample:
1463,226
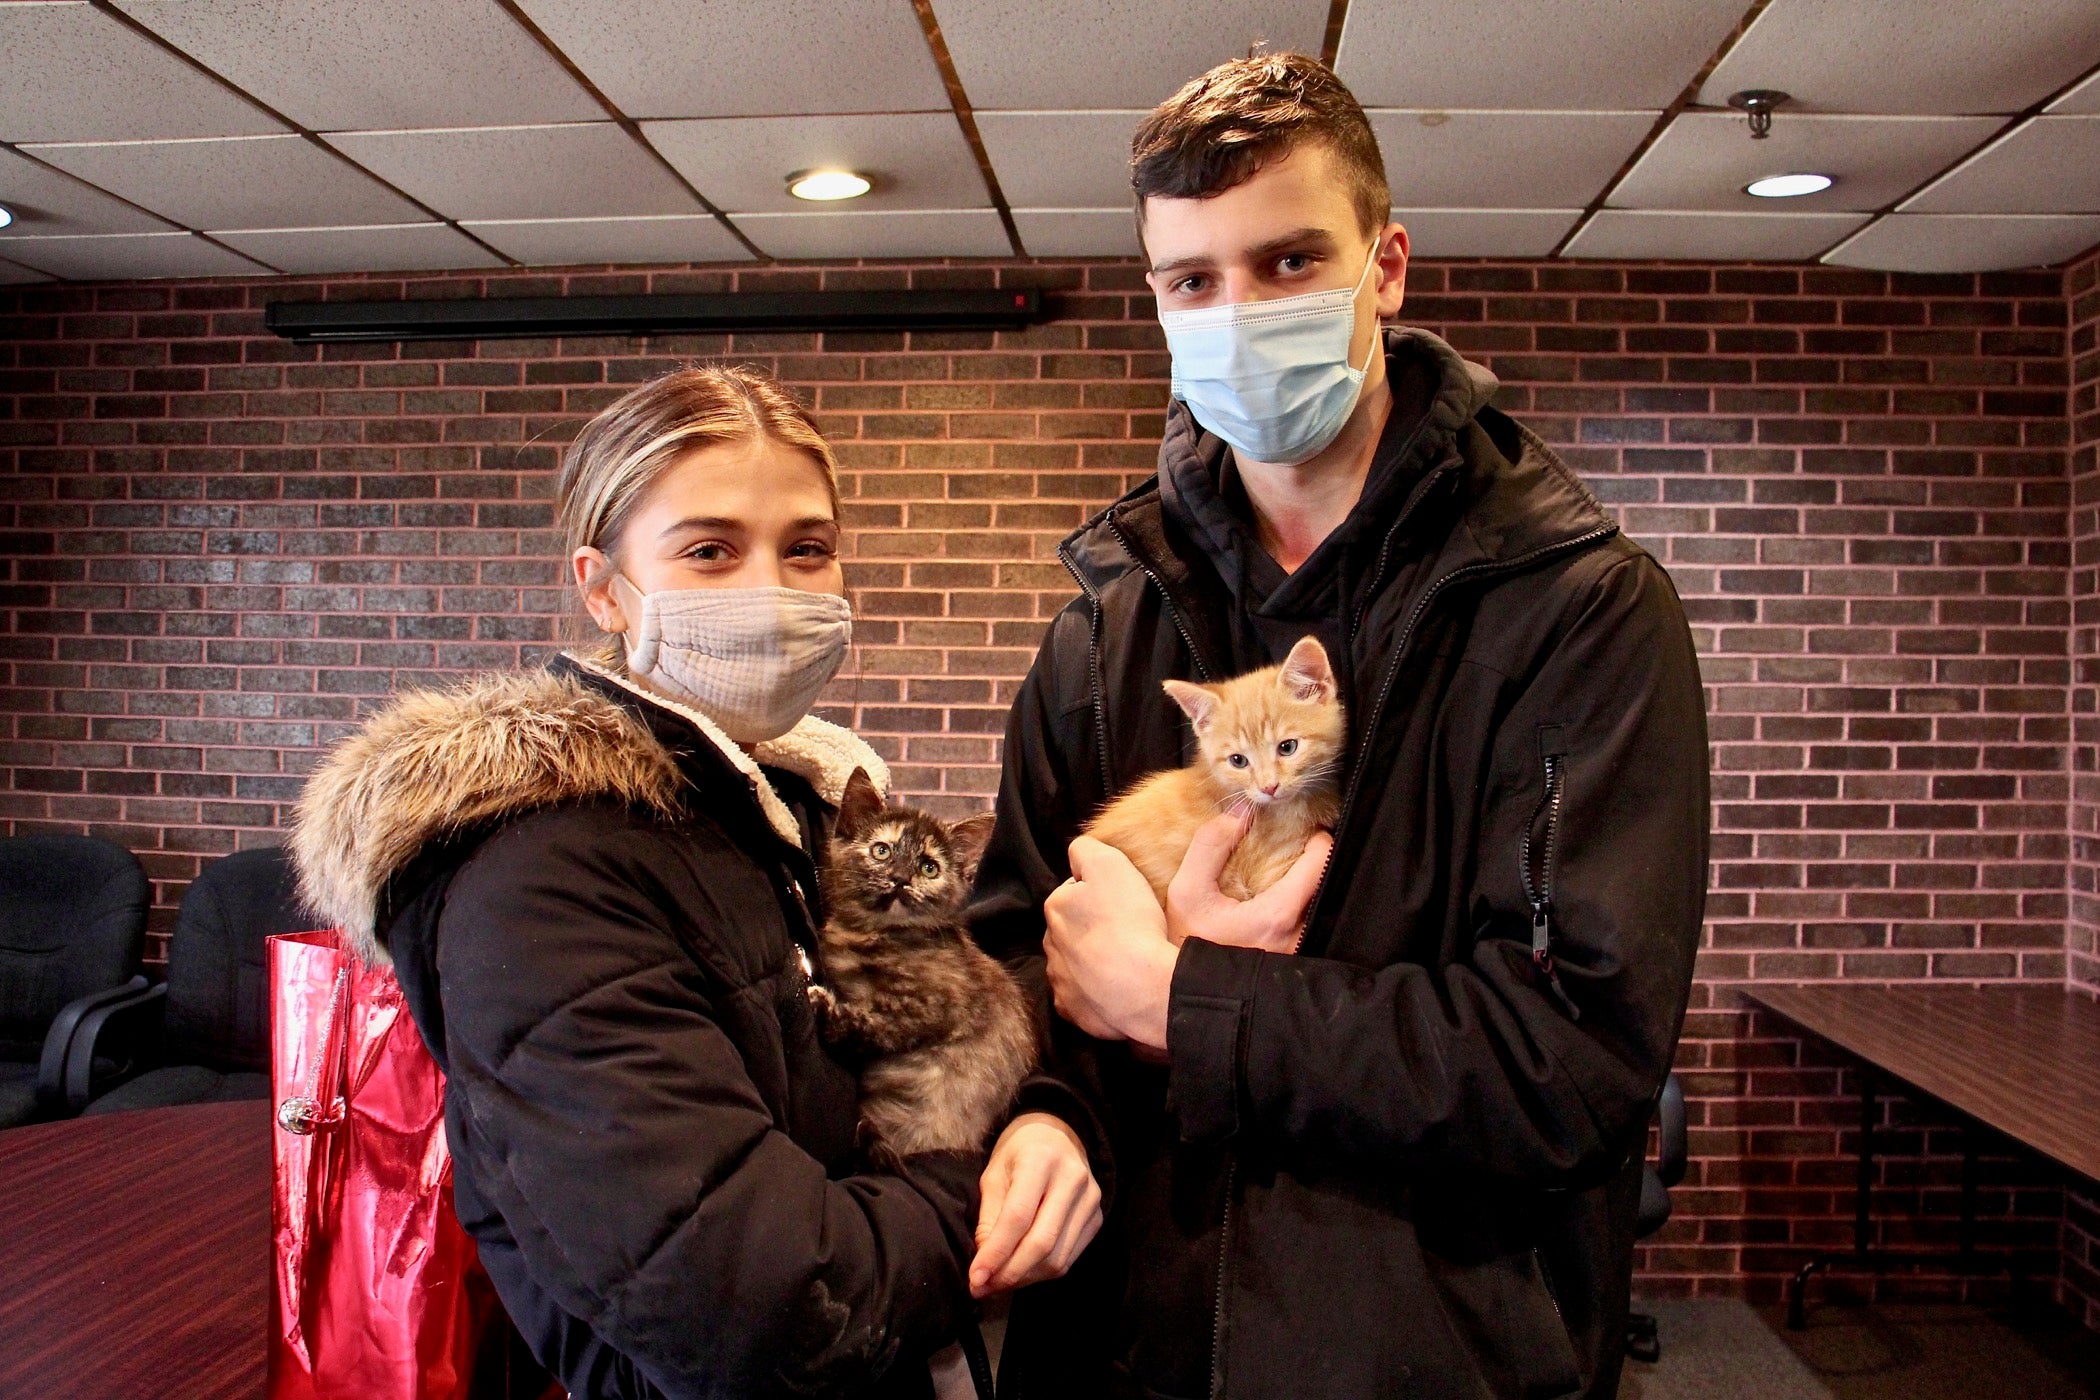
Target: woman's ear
594,575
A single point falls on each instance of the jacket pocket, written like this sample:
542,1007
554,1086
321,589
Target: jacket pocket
1503,1311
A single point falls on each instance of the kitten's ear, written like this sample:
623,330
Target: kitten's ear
966,842
1198,702
859,806
1306,673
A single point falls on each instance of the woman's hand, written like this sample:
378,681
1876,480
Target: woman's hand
1272,921
1040,1206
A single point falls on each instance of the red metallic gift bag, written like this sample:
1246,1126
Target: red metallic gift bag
377,1293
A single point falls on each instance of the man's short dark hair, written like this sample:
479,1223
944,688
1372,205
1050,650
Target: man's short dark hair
1222,128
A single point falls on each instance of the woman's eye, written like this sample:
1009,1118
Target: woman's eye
1287,747
709,552
811,551
929,866
1238,760
880,850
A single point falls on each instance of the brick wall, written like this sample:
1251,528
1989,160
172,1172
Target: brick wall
2081,1236
222,549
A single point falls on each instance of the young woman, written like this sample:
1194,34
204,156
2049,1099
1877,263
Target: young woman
596,884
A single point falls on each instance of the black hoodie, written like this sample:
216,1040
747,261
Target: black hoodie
1405,1159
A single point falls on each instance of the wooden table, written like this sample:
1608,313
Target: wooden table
2018,1061
135,1258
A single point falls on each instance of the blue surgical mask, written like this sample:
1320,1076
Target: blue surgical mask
1272,378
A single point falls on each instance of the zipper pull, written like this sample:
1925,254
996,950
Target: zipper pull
1542,958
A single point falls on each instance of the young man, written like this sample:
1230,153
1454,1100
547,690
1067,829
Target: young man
1402,1155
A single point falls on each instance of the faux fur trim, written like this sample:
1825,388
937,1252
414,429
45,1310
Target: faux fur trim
439,761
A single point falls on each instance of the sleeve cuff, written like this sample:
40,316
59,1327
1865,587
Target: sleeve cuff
1208,1007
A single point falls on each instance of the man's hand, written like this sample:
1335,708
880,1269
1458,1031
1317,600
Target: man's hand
1106,950
1040,1206
1273,920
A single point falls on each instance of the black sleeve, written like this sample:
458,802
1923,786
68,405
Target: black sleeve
1481,1070
1040,809
617,1130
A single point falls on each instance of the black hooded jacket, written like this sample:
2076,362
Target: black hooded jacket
599,921
1403,1161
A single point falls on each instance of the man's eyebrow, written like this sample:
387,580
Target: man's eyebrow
1296,238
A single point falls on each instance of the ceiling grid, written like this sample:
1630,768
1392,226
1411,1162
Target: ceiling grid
172,138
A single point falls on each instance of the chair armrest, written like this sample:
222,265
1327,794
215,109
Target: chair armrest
51,1065
1671,1145
136,1020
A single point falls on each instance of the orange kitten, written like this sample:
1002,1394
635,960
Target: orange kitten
1270,740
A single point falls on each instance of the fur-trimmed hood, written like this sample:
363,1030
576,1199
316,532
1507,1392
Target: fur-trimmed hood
438,762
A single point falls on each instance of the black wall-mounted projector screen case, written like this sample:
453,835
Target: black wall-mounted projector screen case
498,318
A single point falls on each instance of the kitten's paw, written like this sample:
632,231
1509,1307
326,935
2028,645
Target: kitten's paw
825,1003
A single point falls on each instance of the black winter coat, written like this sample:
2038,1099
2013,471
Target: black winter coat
1398,1162
600,928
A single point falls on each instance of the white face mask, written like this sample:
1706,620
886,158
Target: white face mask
750,659
1272,378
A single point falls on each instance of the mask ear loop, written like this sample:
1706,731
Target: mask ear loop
1377,339
643,629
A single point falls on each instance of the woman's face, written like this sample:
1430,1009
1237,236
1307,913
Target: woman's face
748,514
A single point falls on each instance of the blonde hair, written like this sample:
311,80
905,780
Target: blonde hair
620,454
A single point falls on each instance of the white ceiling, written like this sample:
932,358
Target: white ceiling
179,138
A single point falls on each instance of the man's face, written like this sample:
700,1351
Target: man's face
1291,229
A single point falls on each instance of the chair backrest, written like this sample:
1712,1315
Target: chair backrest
72,921
217,1012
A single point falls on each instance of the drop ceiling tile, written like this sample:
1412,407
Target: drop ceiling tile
962,233
1504,160
1591,55
14,274
235,182
1051,55
94,79
375,248
1643,233
1078,233
44,200
1061,160
2050,165
2083,99
917,160
591,169
1967,242
675,58
123,256
1891,56
339,65
1703,160
1485,233
672,238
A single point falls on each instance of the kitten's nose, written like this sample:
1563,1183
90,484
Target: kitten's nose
1268,789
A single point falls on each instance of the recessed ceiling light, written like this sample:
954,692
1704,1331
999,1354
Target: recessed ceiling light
827,184
1787,186
6,216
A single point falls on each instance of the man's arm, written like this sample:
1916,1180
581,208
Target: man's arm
1481,1070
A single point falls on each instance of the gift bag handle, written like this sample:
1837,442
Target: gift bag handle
322,1105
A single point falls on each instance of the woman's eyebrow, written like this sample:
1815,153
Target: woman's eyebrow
814,522
702,522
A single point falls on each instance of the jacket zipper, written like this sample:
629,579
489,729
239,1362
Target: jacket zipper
1540,895
1093,666
1217,1321
1166,599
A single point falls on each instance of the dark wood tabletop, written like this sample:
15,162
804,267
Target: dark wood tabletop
2023,1060
135,1255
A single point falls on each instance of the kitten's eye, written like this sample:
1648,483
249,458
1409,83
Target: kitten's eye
880,850
929,866
1238,760
1287,747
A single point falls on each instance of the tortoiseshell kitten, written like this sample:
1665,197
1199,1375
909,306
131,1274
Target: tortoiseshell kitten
943,1032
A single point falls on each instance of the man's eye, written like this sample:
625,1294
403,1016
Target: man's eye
1238,760
929,867
880,850
1294,262
1287,747
1189,286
